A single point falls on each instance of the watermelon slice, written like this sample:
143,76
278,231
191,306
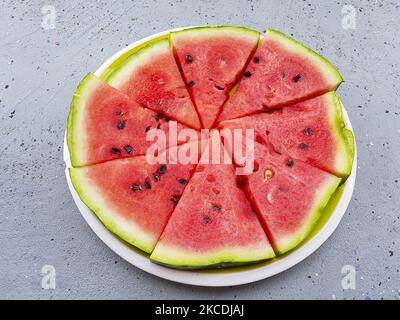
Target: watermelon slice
312,131
209,228
132,197
212,60
288,195
104,124
282,72
152,79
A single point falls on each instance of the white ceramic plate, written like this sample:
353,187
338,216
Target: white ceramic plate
226,277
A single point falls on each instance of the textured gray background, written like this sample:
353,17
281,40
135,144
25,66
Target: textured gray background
39,69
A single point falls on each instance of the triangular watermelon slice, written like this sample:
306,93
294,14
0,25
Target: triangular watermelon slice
213,223
104,124
282,72
132,197
212,60
288,195
151,78
312,131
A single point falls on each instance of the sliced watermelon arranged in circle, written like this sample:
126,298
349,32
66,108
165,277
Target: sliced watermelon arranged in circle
312,131
196,215
282,72
151,78
213,223
212,59
288,195
104,124
132,197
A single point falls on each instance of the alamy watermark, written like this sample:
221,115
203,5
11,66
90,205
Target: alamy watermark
48,277
349,277
349,17
49,16
204,145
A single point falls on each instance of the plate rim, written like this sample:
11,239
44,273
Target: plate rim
191,277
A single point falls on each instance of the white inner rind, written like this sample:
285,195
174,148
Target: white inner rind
178,256
212,32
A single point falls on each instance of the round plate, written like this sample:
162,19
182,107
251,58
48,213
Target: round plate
224,277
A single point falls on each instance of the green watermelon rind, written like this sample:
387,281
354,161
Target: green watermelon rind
327,68
322,196
125,69
177,258
106,74
344,138
114,222
349,136
75,136
210,31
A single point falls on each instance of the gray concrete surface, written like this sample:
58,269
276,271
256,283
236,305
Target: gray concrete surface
39,223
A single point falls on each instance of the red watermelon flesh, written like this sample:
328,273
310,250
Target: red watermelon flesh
212,60
288,195
282,72
132,197
213,223
104,124
152,79
312,131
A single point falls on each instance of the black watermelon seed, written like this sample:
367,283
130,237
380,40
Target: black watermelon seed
182,181
136,187
191,84
128,149
257,59
156,177
159,126
206,219
307,131
120,125
159,116
147,184
163,169
297,77
303,146
219,88
147,129
247,74
115,151
290,163
216,208
167,119
119,113
189,58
